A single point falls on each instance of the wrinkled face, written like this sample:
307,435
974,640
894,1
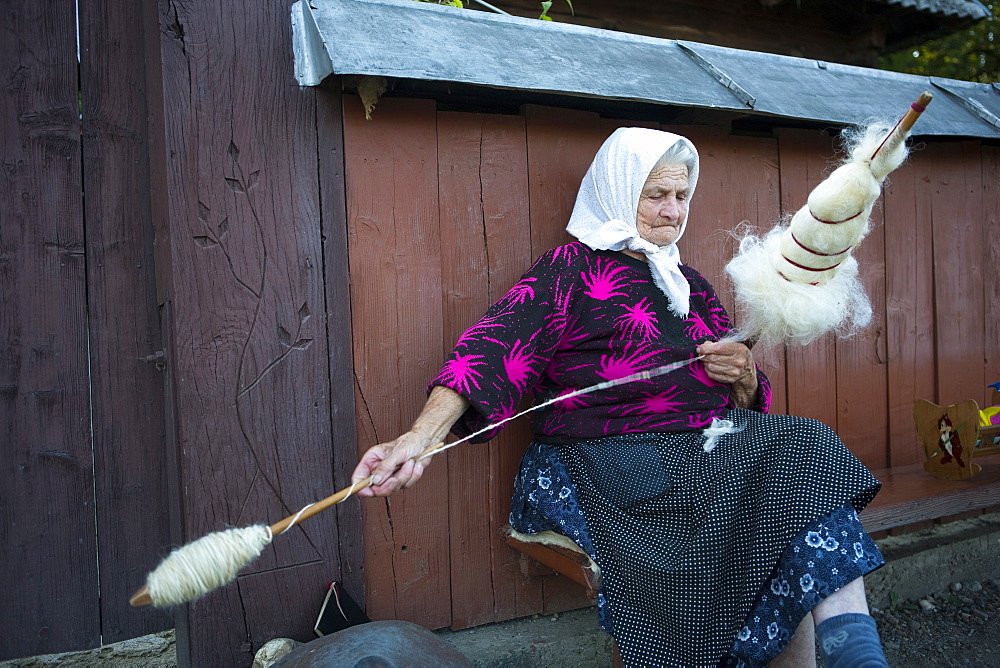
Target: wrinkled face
663,205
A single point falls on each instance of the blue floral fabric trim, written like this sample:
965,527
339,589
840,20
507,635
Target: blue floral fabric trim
828,554
545,498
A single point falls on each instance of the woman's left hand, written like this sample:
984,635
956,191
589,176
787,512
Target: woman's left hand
727,361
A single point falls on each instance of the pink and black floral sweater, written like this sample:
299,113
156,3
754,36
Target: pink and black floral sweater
579,317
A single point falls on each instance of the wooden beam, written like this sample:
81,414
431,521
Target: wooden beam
911,495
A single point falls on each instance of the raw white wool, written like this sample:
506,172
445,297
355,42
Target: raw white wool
800,281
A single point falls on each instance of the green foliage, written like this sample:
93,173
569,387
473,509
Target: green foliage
547,5
969,55
447,3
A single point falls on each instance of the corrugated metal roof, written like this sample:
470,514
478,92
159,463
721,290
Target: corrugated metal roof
972,9
413,40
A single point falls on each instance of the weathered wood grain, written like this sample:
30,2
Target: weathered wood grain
504,176
991,262
957,228
396,288
561,145
738,186
862,379
330,135
909,303
49,549
129,446
755,195
704,246
810,370
465,293
246,285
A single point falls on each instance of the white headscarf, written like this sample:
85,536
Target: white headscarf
604,216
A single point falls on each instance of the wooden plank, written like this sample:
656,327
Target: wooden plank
957,211
504,176
465,285
704,245
49,549
811,370
306,582
250,354
991,261
330,123
609,125
862,381
486,581
128,421
748,25
754,194
395,261
561,145
909,299
737,184
911,495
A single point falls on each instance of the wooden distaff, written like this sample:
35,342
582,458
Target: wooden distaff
905,124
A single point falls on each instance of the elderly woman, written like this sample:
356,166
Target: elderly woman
719,529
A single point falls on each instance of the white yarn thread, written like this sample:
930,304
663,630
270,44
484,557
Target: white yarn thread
210,562
295,520
642,375
191,571
716,429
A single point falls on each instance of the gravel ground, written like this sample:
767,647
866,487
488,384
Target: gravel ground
956,627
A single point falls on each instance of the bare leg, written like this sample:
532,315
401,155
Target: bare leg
847,635
801,651
849,598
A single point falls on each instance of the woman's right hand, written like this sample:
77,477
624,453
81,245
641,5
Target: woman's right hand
381,461
443,408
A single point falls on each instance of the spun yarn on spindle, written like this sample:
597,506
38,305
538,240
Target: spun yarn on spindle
191,571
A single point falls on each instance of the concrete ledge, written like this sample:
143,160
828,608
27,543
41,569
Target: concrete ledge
155,650
927,561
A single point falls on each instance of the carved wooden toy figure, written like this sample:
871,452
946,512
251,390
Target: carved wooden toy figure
954,435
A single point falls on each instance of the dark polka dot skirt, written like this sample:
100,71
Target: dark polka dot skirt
690,542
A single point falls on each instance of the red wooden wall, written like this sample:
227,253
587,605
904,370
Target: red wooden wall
446,209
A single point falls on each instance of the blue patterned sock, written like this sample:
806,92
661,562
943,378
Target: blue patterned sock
850,641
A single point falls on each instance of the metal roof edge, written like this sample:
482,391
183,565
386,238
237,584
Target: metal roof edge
312,56
425,41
